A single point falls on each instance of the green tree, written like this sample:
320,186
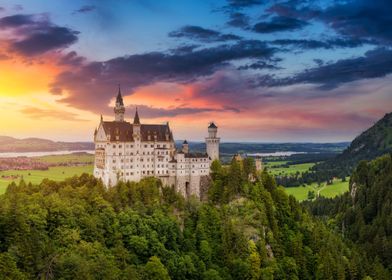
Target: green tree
155,270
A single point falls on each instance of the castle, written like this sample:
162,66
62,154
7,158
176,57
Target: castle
127,151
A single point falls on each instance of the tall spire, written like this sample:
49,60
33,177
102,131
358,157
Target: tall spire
136,119
119,108
119,99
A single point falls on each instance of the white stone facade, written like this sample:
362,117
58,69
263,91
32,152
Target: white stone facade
127,151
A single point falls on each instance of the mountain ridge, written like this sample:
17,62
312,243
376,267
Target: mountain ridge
370,144
33,144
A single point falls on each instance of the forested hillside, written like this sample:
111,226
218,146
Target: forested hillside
364,215
372,143
248,229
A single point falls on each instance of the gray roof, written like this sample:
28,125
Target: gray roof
196,155
123,131
212,125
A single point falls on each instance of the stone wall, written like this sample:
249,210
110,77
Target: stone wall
205,183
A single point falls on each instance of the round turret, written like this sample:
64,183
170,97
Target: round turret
212,142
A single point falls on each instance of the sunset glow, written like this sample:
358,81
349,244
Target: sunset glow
60,66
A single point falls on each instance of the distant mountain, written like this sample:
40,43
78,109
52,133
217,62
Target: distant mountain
372,143
254,147
10,144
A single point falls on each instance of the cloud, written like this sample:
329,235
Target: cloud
91,86
85,9
71,59
2,9
4,56
17,21
38,113
374,64
153,112
278,24
202,34
36,34
316,44
259,65
361,19
238,19
243,3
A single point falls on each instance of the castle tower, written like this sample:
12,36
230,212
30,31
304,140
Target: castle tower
136,125
185,147
212,142
119,109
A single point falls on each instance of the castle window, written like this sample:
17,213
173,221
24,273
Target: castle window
152,146
114,161
119,146
114,146
145,146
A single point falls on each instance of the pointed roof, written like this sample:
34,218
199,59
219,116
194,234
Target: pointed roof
212,125
119,99
185,142
136,119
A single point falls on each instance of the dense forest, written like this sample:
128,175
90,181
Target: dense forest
364,214
247,229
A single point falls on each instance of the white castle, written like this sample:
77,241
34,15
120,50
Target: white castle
127,151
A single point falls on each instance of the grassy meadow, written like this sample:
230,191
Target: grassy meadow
275,168
56,173
69,158
301,193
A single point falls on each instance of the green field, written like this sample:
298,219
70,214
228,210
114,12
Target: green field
71,158
57,173
301,192
336,188
274,168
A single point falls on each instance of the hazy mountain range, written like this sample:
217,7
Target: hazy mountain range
11,144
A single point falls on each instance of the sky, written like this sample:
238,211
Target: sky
263,71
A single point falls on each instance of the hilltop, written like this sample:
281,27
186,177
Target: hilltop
372,143
248,229
11,144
